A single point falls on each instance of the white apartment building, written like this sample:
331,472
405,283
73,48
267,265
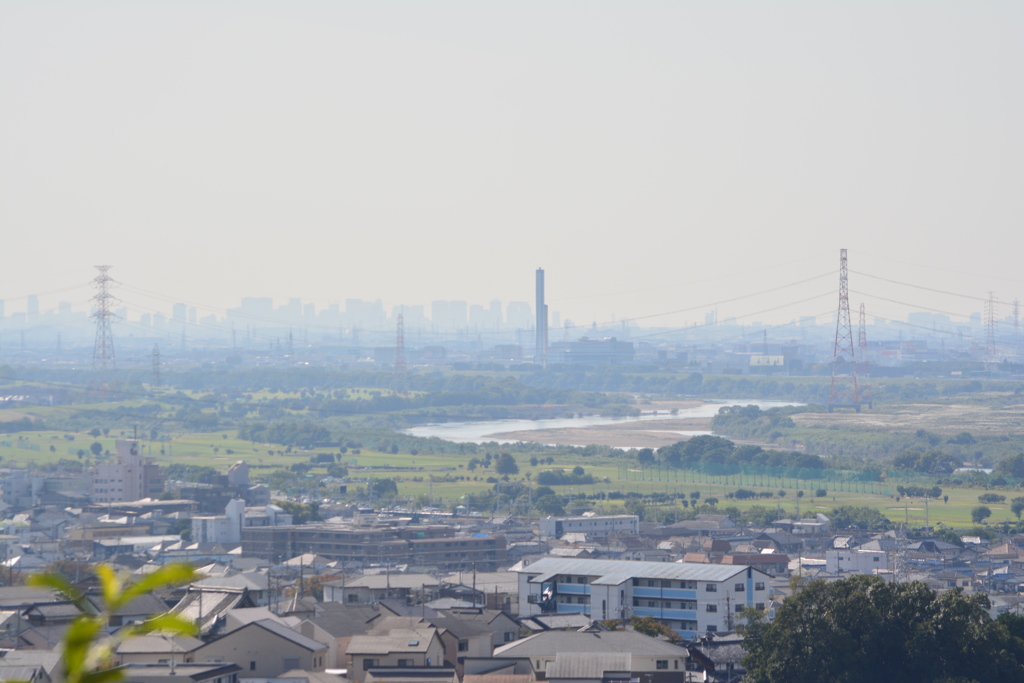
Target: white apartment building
227,528
131,478
856,561
689,598
223,529
592,525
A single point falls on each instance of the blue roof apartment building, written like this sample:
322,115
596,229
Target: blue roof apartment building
690,598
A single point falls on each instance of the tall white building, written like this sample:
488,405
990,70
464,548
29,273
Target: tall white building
223,529
131,478
689,598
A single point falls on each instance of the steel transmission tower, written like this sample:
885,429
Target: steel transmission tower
990,326
863,369
156,365
103,349
844,391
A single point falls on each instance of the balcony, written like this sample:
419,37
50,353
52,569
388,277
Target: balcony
658,613
573,589
667,593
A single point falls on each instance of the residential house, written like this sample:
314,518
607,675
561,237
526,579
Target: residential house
397,647
265,649
564,654
336,628
180,673
366,590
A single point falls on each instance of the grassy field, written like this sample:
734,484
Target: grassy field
446,478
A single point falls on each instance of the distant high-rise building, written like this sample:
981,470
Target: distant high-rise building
518,315
179,313
449,315
364,313
33,305
541,310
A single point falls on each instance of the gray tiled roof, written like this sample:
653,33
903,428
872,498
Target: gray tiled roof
590,665
602,642
289,633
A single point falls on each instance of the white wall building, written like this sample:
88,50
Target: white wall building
131,478
690,598
594,526
856,561
224,529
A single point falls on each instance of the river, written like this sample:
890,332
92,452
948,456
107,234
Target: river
488,431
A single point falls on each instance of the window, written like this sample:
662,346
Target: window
759,586
252,665
369,663
652,583
712,628
636,582
651,603
676,662
738,588
711,588
759,605
509,636
711,608
740,608
666,584
405,662
875,558
661,664
463,645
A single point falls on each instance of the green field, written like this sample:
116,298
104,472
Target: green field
445,478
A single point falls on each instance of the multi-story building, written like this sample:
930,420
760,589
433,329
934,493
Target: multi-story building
131,478
690,598
596,526
433,546
227,528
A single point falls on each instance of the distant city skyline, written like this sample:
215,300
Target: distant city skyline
657,159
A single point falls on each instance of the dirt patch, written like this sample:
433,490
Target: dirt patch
942,419
637,434
14,416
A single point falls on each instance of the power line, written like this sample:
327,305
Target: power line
927,289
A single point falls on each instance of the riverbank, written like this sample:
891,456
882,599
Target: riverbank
626,435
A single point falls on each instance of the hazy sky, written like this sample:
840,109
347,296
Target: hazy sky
651,156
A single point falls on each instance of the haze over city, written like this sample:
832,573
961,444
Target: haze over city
652,157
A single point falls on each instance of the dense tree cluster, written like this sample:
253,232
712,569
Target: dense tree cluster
715,449
193,474
932,462
858,517
562,478
865,629
303,433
